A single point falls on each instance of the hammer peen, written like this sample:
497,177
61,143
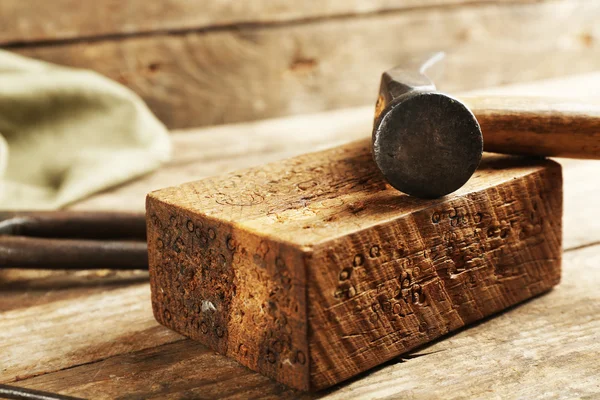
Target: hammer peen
428,144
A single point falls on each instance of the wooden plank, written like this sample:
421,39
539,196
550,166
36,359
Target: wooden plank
201,151
184,369
196,78
26,288
580,230
21,289
56,335
549,345
581,189
24,22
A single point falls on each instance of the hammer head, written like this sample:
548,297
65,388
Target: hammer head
426,144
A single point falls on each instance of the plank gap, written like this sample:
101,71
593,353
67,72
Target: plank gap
581,246
273,24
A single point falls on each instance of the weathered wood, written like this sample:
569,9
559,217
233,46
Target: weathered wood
185,369
253,72
203,153
339,272
538,126
111,377
546,345
73,331
582,190
20,289
24,22
580,230
565,356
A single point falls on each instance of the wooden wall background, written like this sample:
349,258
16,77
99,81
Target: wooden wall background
221,61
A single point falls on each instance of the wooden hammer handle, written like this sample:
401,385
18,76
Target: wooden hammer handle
540,126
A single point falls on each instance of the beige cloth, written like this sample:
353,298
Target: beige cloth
67,133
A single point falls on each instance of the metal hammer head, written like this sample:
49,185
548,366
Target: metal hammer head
426,144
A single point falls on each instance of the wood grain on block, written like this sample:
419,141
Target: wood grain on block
556,332
312,270
192,78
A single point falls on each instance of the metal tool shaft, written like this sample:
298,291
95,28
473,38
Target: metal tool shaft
74,224
42,253
19,393
73,240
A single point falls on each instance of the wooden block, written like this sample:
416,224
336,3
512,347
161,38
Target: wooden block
312,270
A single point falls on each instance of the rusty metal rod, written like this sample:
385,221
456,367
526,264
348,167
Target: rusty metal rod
74,224
42,253
19,393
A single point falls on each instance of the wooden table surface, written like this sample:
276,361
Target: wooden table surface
92,334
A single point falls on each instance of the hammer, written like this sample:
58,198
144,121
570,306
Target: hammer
428,144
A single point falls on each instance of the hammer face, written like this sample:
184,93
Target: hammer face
427,144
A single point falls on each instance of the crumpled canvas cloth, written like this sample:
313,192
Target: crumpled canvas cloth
66,133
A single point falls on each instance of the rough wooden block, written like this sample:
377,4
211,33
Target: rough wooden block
312,270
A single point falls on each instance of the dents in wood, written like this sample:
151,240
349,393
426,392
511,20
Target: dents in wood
198,274
560,320
466,237
288,286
